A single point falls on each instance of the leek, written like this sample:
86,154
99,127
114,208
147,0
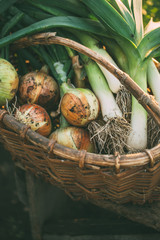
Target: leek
116,127
152,72
153,76
92,43
140,45
137,139
100,87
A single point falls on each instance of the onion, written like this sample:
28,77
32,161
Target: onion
40,88
79,106
73,137
8,81
36,117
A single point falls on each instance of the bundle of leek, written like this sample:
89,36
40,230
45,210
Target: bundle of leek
124,21
153,77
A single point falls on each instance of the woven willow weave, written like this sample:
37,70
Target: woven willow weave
120,178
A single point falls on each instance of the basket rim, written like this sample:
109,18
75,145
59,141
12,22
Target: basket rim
147,157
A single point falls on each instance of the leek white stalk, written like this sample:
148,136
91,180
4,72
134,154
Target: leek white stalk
153,76
113,82
111,135
109,107
92,43
137,139
123,98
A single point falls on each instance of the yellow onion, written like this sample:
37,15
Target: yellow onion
8,81
36,117
73,137
40,88
79,106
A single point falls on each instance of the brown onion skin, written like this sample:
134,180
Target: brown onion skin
36,114
76,109
39,88
73,137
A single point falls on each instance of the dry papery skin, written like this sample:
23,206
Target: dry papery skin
80,108
38,87
36,117
73,137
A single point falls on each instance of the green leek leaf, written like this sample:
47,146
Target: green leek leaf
132,53
11,23
154,53
26,18
117,53
87,25
126,14
43,9
149,41
109,16
4,5
72,6
127,3
33,12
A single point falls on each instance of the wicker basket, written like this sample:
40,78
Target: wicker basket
82,175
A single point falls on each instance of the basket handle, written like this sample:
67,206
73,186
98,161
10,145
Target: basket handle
146,100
